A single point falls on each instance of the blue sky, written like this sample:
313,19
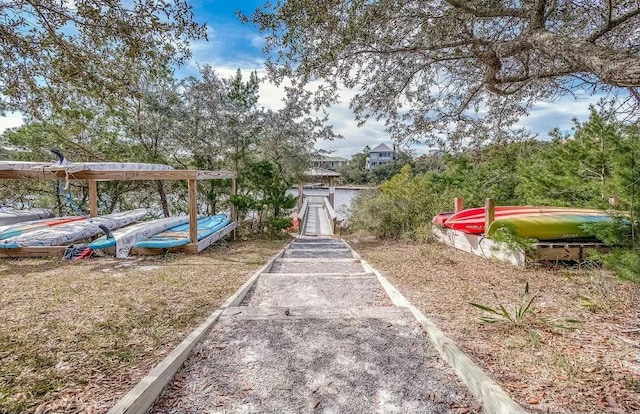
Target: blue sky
232,45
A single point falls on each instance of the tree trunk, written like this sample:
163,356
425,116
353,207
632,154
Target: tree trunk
163,198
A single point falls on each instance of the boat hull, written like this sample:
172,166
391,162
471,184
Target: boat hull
67,233
27,226
123,239
548,227
11,216
472,220
179,235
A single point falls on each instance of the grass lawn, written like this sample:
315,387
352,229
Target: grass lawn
75,336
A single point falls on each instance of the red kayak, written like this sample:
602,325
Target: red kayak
472,220
441,218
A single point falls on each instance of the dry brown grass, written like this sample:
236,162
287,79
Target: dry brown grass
75,336
594,368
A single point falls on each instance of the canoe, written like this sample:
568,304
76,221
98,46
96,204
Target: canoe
549,226
441,218
124,238
11,216
27,226
472,220
67,233
179,235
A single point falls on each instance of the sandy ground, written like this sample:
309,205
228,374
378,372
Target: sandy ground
316,343
307,362
594,368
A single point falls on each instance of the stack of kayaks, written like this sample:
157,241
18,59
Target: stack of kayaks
13,230
541,223
179,235
123,239
63,234
11,216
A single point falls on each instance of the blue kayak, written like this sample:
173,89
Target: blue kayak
179,235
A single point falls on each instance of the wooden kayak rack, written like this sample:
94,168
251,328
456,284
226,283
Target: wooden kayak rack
94,176
480,245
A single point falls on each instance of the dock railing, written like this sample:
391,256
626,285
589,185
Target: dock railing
333,217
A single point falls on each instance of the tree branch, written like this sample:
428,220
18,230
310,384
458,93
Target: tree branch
611,24
497,12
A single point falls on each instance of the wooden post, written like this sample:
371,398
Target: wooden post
458,204
193,211
234,213
93,198
614,202
332,190
489,213
300,195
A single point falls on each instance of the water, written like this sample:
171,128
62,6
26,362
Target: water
342,198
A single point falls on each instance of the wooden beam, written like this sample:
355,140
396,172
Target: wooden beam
234,213
193,211
332,192
124,175
93,198
36,251
489,213
458,204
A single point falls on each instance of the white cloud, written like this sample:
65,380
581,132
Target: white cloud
546,115
11,120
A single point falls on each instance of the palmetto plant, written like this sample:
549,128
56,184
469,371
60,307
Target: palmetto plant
503,315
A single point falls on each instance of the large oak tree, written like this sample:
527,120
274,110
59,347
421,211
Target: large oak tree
465,67
49,47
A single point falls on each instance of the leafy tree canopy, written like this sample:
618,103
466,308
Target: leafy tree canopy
470,68
51,47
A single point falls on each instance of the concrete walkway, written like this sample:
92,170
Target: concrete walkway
316,333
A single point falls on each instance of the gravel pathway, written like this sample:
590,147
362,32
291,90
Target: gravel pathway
315,336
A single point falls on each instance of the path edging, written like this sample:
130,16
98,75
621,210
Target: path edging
140,398
493,398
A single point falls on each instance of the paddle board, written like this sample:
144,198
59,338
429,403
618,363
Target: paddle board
124,238
179,235
64,234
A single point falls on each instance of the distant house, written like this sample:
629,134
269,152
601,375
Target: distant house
380,155
330,163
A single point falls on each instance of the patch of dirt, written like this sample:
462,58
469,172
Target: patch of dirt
593,368
76,336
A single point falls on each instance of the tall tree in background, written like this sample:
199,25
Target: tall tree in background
51,47
469,68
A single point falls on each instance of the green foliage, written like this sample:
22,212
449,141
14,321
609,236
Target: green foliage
501,314
399,208
264,193
507,234
624,262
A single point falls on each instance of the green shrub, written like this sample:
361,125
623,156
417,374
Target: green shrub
400,208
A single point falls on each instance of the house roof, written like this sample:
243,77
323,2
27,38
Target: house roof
328,158
381,148
321,172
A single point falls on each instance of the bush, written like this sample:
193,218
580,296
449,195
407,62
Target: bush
401,208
